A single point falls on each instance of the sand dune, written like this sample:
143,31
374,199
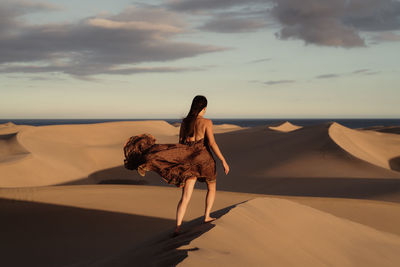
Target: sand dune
285,127
224,128
305,162
64,153
61,153
384,129
73,224
98,222
7,124
266,232
10,148
271,161
276,232
377,148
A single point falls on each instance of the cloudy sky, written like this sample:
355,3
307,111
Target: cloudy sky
148,59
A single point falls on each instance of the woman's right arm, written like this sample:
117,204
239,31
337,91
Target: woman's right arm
181,134
214,146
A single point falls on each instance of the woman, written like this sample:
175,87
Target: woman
184,163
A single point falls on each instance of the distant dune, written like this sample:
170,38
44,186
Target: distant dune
385,129
285,127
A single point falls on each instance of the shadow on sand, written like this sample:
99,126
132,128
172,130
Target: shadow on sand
38,234
363,188
162,250
394,164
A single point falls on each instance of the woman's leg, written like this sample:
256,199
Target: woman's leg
212,187
187,191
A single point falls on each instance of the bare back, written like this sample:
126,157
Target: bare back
200,127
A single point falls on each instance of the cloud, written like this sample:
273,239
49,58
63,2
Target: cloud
355,72
225,16
207,5
360,71
328,76
334,22
278,82
133,25
101,44
260,60
12,10
233,24
385,37
92,70
337,23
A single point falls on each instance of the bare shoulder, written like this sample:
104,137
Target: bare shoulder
206,122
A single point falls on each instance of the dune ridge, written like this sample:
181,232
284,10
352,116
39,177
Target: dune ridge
384,129
374,147
10,148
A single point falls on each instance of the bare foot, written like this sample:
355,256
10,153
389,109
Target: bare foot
209,219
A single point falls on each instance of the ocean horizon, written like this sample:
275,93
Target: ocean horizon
243,122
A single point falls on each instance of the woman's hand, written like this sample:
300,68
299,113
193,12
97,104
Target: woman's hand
226,166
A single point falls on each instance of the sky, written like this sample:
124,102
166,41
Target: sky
148,59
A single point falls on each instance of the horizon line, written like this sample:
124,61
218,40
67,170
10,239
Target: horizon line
230,118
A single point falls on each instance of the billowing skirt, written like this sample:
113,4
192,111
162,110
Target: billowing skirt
173,162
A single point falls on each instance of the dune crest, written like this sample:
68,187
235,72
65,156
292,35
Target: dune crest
285,127
224,128
278,232
7,124
10,148
381,149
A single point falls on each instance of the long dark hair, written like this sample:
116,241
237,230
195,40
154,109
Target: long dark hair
199,102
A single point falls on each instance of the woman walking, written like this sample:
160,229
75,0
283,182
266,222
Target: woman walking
181,164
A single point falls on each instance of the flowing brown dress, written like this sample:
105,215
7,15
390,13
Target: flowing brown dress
173,162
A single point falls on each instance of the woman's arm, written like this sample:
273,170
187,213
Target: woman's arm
181,134
214,146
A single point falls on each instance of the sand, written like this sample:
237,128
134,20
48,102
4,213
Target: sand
304,196
381,149
285,127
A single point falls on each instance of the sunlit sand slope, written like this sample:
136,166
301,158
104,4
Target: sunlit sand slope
381,149
277,232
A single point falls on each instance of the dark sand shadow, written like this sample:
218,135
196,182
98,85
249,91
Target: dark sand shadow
394,164
116,175
162,250
361,188
38,234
